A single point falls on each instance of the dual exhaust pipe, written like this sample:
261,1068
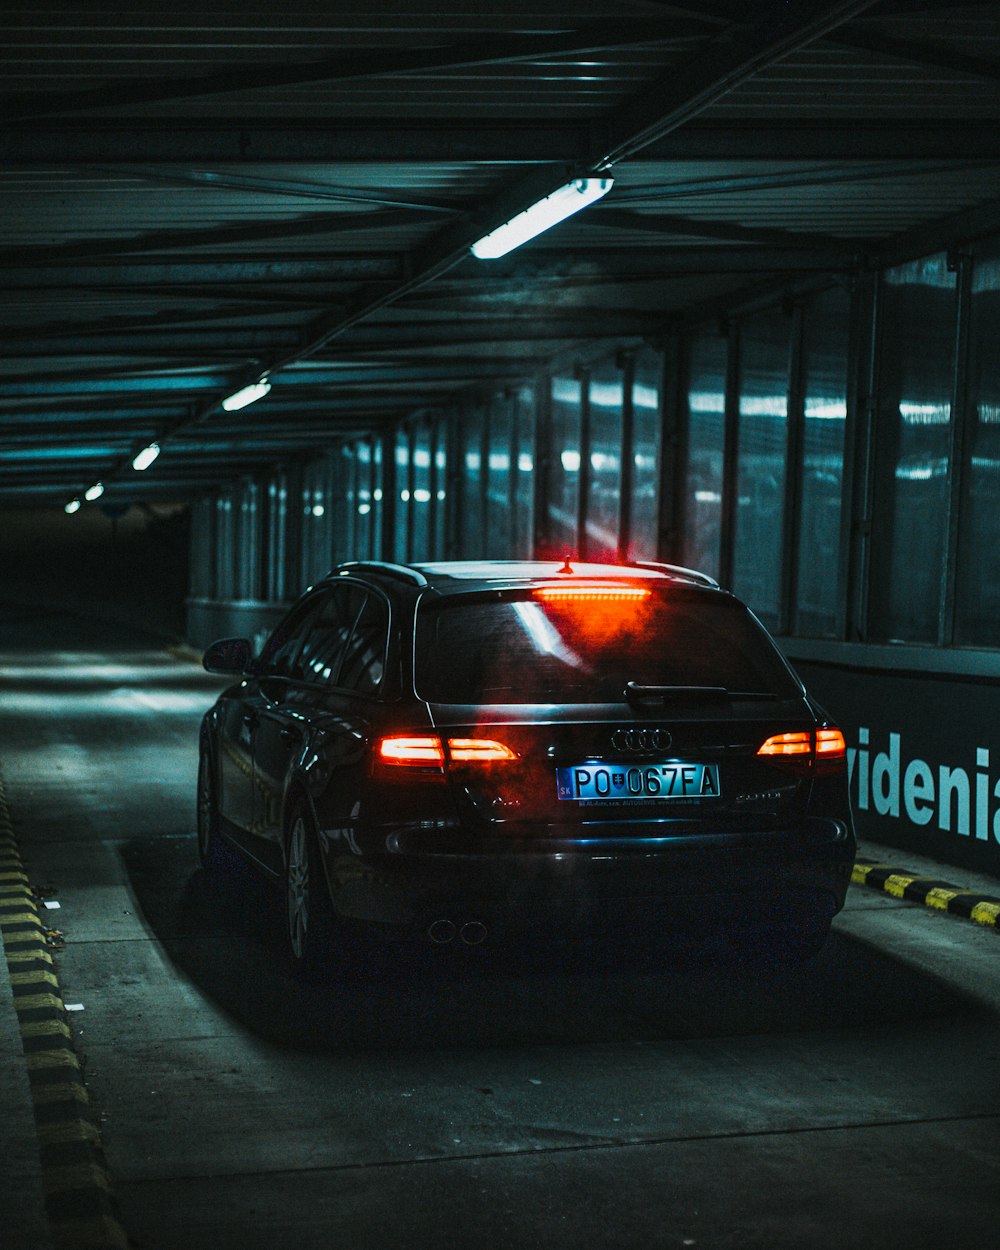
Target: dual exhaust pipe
471,932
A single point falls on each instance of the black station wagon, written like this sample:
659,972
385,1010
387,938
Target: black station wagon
467,752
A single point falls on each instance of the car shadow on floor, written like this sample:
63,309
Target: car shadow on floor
225,936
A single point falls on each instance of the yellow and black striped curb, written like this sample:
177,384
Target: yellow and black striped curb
900,883
79,1199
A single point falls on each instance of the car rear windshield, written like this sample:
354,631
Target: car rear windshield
523,649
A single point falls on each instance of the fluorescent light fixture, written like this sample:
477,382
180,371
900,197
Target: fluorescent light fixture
95,492
248,395
74,505
146,457
546,213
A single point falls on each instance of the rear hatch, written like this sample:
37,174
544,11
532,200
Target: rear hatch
606,714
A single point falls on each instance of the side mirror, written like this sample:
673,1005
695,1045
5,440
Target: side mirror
228,655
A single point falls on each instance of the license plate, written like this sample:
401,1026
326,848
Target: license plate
607,783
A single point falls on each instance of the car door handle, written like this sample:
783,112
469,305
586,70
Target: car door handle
251,719
289,735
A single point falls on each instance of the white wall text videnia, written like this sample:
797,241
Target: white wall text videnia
957,800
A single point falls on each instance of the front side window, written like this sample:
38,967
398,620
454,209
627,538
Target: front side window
524,649
281,652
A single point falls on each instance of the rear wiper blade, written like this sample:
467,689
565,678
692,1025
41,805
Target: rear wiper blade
635,690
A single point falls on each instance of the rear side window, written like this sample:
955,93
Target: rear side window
364,659
325,641
523,650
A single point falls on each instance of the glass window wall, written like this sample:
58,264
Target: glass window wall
470,522
404,493
523,467
706,414
761,462
977,601
604,478
816,611
564,465
498,479
419,538
912,450
645,451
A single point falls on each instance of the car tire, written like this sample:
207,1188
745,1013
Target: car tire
308,911
211,851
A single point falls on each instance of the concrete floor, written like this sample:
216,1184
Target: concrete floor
557,1101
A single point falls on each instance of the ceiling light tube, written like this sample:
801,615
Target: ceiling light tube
74,505
95,492
146,457
541,216
248,395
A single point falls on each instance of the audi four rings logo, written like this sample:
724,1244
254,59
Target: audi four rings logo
641,741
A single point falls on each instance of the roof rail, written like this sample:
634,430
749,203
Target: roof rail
398,571
677,570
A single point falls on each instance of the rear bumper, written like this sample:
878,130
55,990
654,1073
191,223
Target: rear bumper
798,878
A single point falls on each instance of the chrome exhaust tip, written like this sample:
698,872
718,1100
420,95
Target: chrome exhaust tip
441,931
473,932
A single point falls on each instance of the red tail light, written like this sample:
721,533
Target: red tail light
824,751
409,751
479,750
427,750
796,744
830,745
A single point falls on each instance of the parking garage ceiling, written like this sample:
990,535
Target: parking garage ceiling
198,196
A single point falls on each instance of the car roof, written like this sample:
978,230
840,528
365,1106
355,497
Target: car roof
494,574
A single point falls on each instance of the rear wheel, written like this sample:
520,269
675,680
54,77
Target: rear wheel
308,913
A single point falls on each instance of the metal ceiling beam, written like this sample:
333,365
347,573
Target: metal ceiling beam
950,232
269,186
137,148
918,52
824,139
311,226
228,315
211,343
676,262
800,175
144,143
171,388
910,8
666,224
311,376
186,271
726,62
80,414
495,49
